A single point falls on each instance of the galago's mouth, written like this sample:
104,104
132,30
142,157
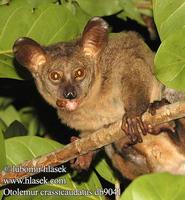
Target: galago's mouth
70,105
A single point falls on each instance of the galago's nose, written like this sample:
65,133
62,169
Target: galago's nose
69,92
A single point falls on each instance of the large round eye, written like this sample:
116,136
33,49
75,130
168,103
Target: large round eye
55,76
79,73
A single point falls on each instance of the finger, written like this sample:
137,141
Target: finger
124,125
73,138
141,125
131,130
163,127
149,128
136,130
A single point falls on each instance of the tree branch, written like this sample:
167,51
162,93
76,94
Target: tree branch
94,141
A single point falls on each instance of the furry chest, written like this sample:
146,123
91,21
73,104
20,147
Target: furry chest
94,116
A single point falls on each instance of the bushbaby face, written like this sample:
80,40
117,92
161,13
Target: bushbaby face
67,80
65,72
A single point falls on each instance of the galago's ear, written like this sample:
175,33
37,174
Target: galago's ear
29,53
94,37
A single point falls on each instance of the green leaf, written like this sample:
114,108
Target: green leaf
168,16
56,21
156,186
31,122
130,10
5,101
3,126
3,156
6,69
15,129
1,194
27,114
24,148
170,61
36,3
47,24
9,114
100,8
80,15
35,127
89,186
19,149
147,12
105,171
2,2
2,151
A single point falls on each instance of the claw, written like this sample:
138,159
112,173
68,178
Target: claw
82,162
133,128
168,127
156,105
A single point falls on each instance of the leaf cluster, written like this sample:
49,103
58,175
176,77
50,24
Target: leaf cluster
169,60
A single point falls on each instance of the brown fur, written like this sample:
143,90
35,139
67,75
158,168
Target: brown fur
118,79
